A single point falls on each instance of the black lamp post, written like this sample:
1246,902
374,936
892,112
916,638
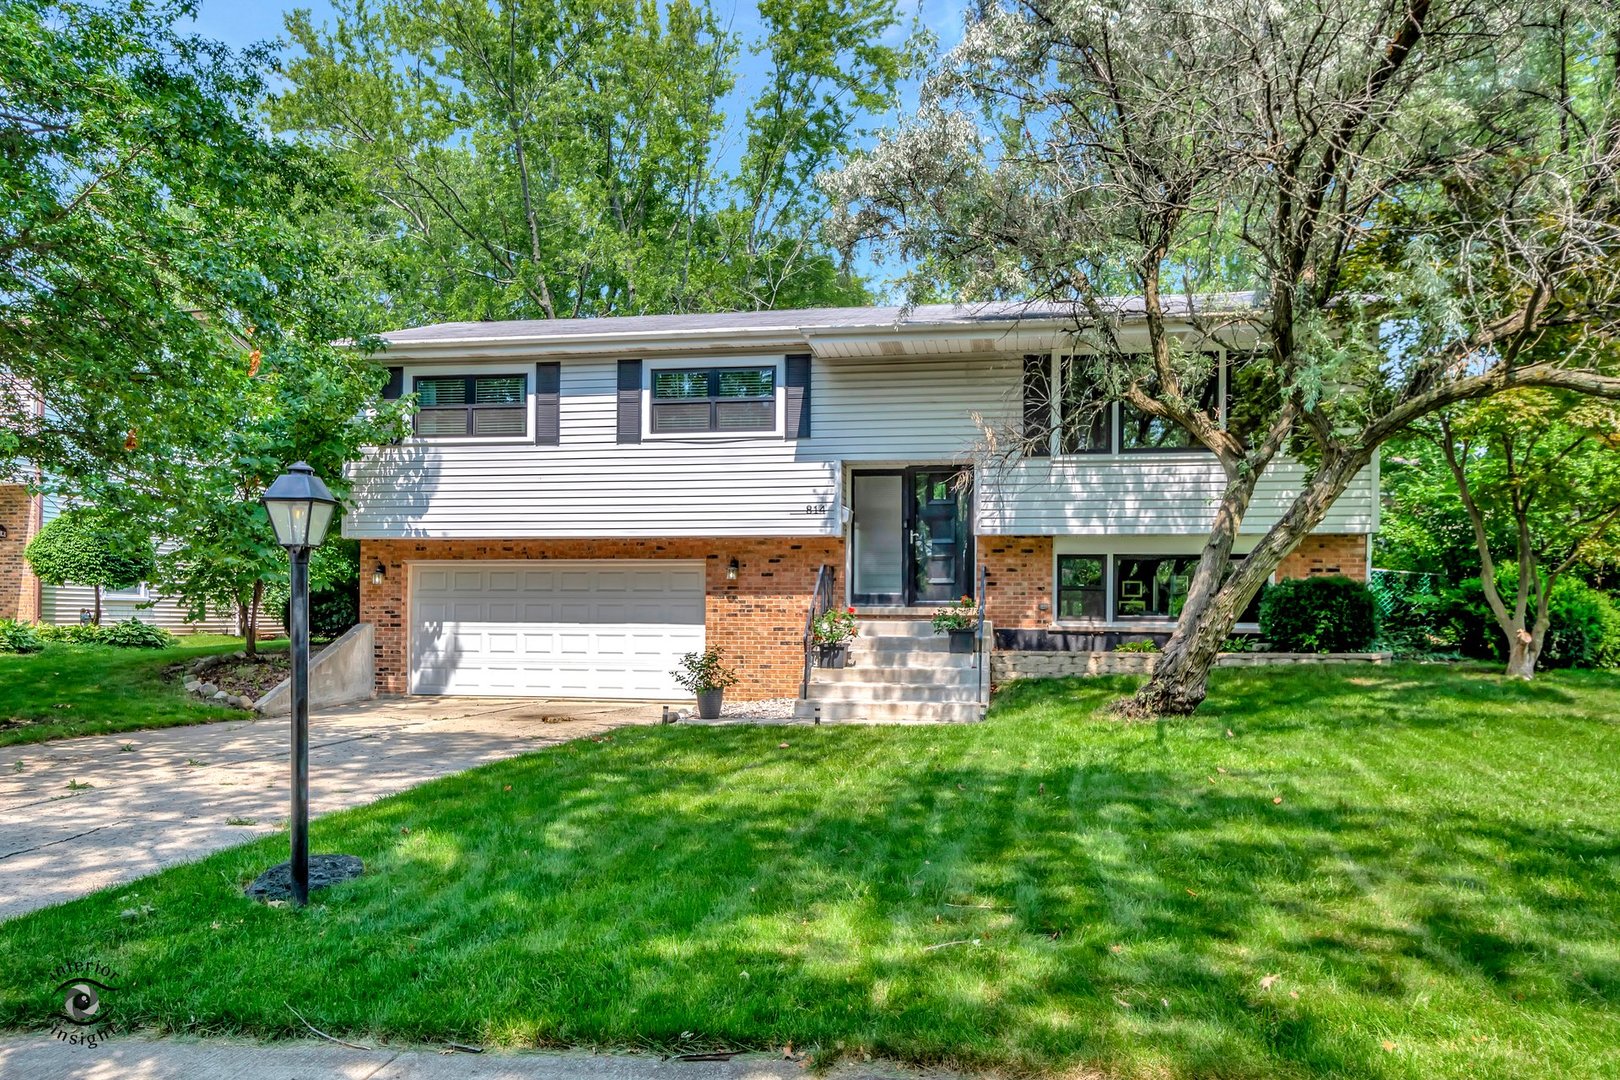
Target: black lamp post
300,510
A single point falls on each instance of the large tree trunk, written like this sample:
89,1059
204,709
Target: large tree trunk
1522,657
1180,677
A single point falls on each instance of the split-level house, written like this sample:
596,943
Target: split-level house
584,501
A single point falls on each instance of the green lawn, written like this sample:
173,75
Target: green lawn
1400,872
95,690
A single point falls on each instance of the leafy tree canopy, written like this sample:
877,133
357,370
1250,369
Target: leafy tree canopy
559,158
150,236
1417,193
91,547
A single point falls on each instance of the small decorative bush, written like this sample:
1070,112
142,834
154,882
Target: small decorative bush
19,637
1319,615
134,634
834,626
705,671
1137,647
962,615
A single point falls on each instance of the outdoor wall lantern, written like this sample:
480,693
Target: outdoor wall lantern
731,570
300,509
378,573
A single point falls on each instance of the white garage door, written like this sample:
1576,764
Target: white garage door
612,629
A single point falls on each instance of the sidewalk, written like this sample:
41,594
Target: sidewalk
41,1057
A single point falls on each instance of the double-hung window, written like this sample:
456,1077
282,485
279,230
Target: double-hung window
487,406
713,399
1082,589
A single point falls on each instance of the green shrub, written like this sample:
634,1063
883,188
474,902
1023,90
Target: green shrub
51,632
19,637
1137,647
705,671
84,634
1319,614
1583,627
134,634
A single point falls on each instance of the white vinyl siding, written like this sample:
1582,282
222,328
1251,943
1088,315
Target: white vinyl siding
61,604
866,411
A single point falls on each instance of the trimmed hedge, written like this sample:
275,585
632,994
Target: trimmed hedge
1319,615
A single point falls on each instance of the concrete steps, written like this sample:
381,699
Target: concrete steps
899,671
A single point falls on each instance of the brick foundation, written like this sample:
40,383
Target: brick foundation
19,588
1326,553
758,619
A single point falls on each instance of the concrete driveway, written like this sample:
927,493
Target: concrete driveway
78,815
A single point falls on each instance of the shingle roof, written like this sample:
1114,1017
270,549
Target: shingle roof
800,321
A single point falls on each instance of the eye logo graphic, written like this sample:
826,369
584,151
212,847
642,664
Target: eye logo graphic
82,999
83,993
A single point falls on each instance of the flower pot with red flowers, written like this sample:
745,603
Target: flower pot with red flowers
959,621
832,631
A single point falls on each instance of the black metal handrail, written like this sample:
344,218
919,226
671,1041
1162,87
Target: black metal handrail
978,631
820,603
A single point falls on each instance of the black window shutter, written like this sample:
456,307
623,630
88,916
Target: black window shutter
1038,405
797,400
547,403
395,386
629,401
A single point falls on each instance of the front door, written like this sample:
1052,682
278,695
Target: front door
911,534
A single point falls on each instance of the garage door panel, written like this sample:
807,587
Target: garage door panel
564,630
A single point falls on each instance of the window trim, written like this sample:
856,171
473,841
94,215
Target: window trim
651,368
526,405
1114,413
1058,590
1113,596
1112,620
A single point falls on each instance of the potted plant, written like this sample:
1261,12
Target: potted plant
832,632
959,621
707,677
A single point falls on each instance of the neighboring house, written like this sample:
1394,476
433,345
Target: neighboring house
24,597
583,501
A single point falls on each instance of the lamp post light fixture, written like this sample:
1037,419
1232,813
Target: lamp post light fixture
300,509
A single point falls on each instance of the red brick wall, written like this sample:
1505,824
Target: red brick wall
758,619
19,589
1020,572
1018,580
1327,554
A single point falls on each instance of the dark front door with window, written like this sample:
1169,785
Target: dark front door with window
911,534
